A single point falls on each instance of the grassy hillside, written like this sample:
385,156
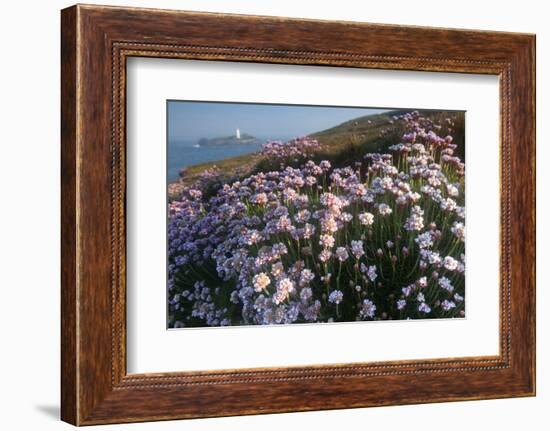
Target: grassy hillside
342,145
375,133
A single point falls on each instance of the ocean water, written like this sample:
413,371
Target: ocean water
182,153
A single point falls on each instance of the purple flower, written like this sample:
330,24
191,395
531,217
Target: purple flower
335,297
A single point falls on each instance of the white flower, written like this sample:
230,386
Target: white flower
428,190
401,303
260,199
422,282
279,296
277,269
450,263
415,221
413,196
310,180
357,248
459,230
327,241
289,194
371,273
324,165
424,308
366,219
342,254
424,240
447,305
384,209
432,257
346,217
434,181
284,224
261,281
252,237
306,277
417,210
407,290
284,287
386,183
329,199
335,297
325,255
452,190
445,283
309,230
329,225
448,204
279,249
302,216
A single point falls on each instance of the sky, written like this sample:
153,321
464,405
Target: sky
195,120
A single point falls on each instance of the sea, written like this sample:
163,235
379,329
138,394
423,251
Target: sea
184,153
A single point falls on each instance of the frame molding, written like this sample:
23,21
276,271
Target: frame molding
96,41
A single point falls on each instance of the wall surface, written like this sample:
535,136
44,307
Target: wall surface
29,215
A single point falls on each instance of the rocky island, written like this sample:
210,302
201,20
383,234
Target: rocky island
238,138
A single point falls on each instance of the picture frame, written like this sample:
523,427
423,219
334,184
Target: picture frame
96,42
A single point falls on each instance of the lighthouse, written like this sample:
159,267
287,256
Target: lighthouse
238,133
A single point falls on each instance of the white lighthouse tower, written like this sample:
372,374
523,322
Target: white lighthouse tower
238,133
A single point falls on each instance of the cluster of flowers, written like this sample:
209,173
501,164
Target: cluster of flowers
202,182
292,151
383,239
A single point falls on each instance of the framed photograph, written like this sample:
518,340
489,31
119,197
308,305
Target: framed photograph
264,214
